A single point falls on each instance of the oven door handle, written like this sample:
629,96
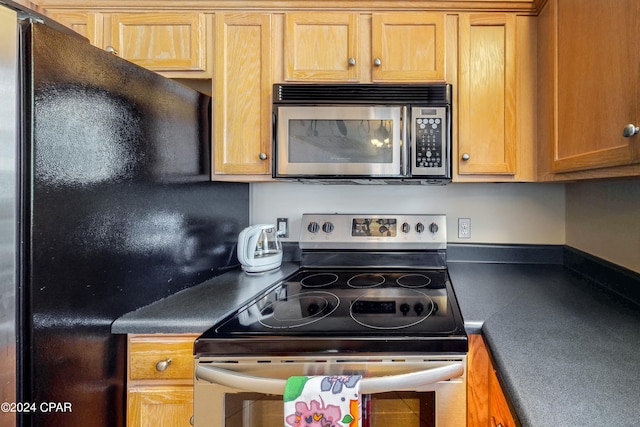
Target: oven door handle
412,381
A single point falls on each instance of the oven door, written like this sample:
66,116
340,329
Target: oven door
396,392
340,141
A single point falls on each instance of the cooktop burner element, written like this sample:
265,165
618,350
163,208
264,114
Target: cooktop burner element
319,280
365,292
366,280
299,310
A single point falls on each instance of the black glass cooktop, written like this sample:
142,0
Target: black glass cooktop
343,311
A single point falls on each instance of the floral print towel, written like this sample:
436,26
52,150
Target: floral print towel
322,401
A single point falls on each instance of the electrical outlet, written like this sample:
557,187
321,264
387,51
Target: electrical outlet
464,228
283,227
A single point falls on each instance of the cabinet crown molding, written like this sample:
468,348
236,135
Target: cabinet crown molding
529,7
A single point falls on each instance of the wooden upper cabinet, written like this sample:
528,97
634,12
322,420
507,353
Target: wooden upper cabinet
408,47
173,44
487,124
79,22
321,46
162,41
598,72
242,94
353,47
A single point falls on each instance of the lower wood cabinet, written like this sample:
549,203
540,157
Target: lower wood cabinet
486,402
160,380
160,406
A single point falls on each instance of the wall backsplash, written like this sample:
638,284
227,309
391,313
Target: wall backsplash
603,219
500,213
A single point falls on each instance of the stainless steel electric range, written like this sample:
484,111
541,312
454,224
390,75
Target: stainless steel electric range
372,297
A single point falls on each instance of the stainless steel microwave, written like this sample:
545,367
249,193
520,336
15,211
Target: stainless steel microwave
367,133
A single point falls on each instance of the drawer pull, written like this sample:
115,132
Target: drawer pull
162,365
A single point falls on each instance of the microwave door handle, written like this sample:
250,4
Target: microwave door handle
405,155
403,382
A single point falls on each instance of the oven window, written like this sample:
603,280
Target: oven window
394,409
341,141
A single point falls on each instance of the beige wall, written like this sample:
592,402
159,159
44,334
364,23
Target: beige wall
500,213
603,219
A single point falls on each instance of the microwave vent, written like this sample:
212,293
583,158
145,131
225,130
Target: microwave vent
425,94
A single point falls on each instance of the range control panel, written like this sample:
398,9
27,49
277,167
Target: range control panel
373,231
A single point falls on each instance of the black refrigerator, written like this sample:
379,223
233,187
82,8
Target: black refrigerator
106,205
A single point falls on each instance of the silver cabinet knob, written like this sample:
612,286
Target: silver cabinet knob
111,49
352,61
466,156
162,365
630,130
263,156
377,62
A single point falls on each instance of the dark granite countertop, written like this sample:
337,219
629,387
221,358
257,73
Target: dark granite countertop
567,350
196,309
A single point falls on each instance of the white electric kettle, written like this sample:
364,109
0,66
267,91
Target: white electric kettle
259,249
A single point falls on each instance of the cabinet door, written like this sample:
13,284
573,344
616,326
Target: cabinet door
162,41
81,22
499,412
159,406
486,403
408,47
597,84
321,46
242,94
477,382
487,130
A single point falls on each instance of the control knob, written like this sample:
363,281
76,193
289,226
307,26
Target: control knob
405,227
404,308
433,228
419,227
327,227
313,227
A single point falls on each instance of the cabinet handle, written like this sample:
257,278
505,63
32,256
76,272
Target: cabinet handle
466,156
630,130
263,156
377,62
352,61
111,49
162,365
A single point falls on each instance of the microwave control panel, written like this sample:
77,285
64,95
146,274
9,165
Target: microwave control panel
428,141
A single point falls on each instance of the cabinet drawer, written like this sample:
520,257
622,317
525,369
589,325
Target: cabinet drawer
161,357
